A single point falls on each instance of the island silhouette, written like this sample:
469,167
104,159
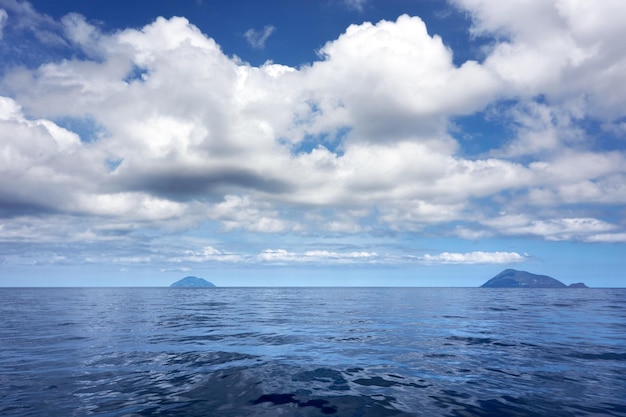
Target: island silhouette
512,278
193,282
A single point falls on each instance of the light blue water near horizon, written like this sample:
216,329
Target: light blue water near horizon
312,352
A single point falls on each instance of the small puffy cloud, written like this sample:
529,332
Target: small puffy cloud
355,4
477,257
132,206
211,251
257,38
208,254
277,255
319,257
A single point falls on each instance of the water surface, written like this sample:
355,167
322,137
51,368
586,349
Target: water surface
312,352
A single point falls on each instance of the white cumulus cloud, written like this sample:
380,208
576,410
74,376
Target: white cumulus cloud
477,257
361,140
320,257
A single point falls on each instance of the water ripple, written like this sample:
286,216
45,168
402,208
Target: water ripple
312,352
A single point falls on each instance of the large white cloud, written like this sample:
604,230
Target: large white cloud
563,49
198,123
35,173
394,80
46,168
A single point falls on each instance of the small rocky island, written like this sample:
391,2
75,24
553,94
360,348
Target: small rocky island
511,278
193,282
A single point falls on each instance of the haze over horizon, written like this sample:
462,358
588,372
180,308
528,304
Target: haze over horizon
290,143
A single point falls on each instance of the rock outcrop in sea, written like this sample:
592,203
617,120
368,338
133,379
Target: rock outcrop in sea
193,282
511,278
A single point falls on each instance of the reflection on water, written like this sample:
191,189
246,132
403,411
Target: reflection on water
312,352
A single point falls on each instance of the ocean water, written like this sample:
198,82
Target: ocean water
312,352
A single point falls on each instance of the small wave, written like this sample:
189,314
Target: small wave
605,356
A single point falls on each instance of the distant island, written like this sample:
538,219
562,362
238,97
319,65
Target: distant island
511,278
193,282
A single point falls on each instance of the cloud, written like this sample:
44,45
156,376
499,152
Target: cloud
257,38
478,257
24,18
3,20
200,147
543,129
35,172
562,50
241,213
355,4
394,81
209,254
80,32
556,229
607,238
360,141
282,256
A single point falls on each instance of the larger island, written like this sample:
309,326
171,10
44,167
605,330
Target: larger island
193,282
511,278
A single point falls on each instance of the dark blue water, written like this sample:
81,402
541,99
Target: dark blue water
312,352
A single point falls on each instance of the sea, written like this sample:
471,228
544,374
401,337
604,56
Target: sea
360,352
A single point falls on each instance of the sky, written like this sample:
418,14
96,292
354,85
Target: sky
311,143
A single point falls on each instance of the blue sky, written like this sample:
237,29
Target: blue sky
332,142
